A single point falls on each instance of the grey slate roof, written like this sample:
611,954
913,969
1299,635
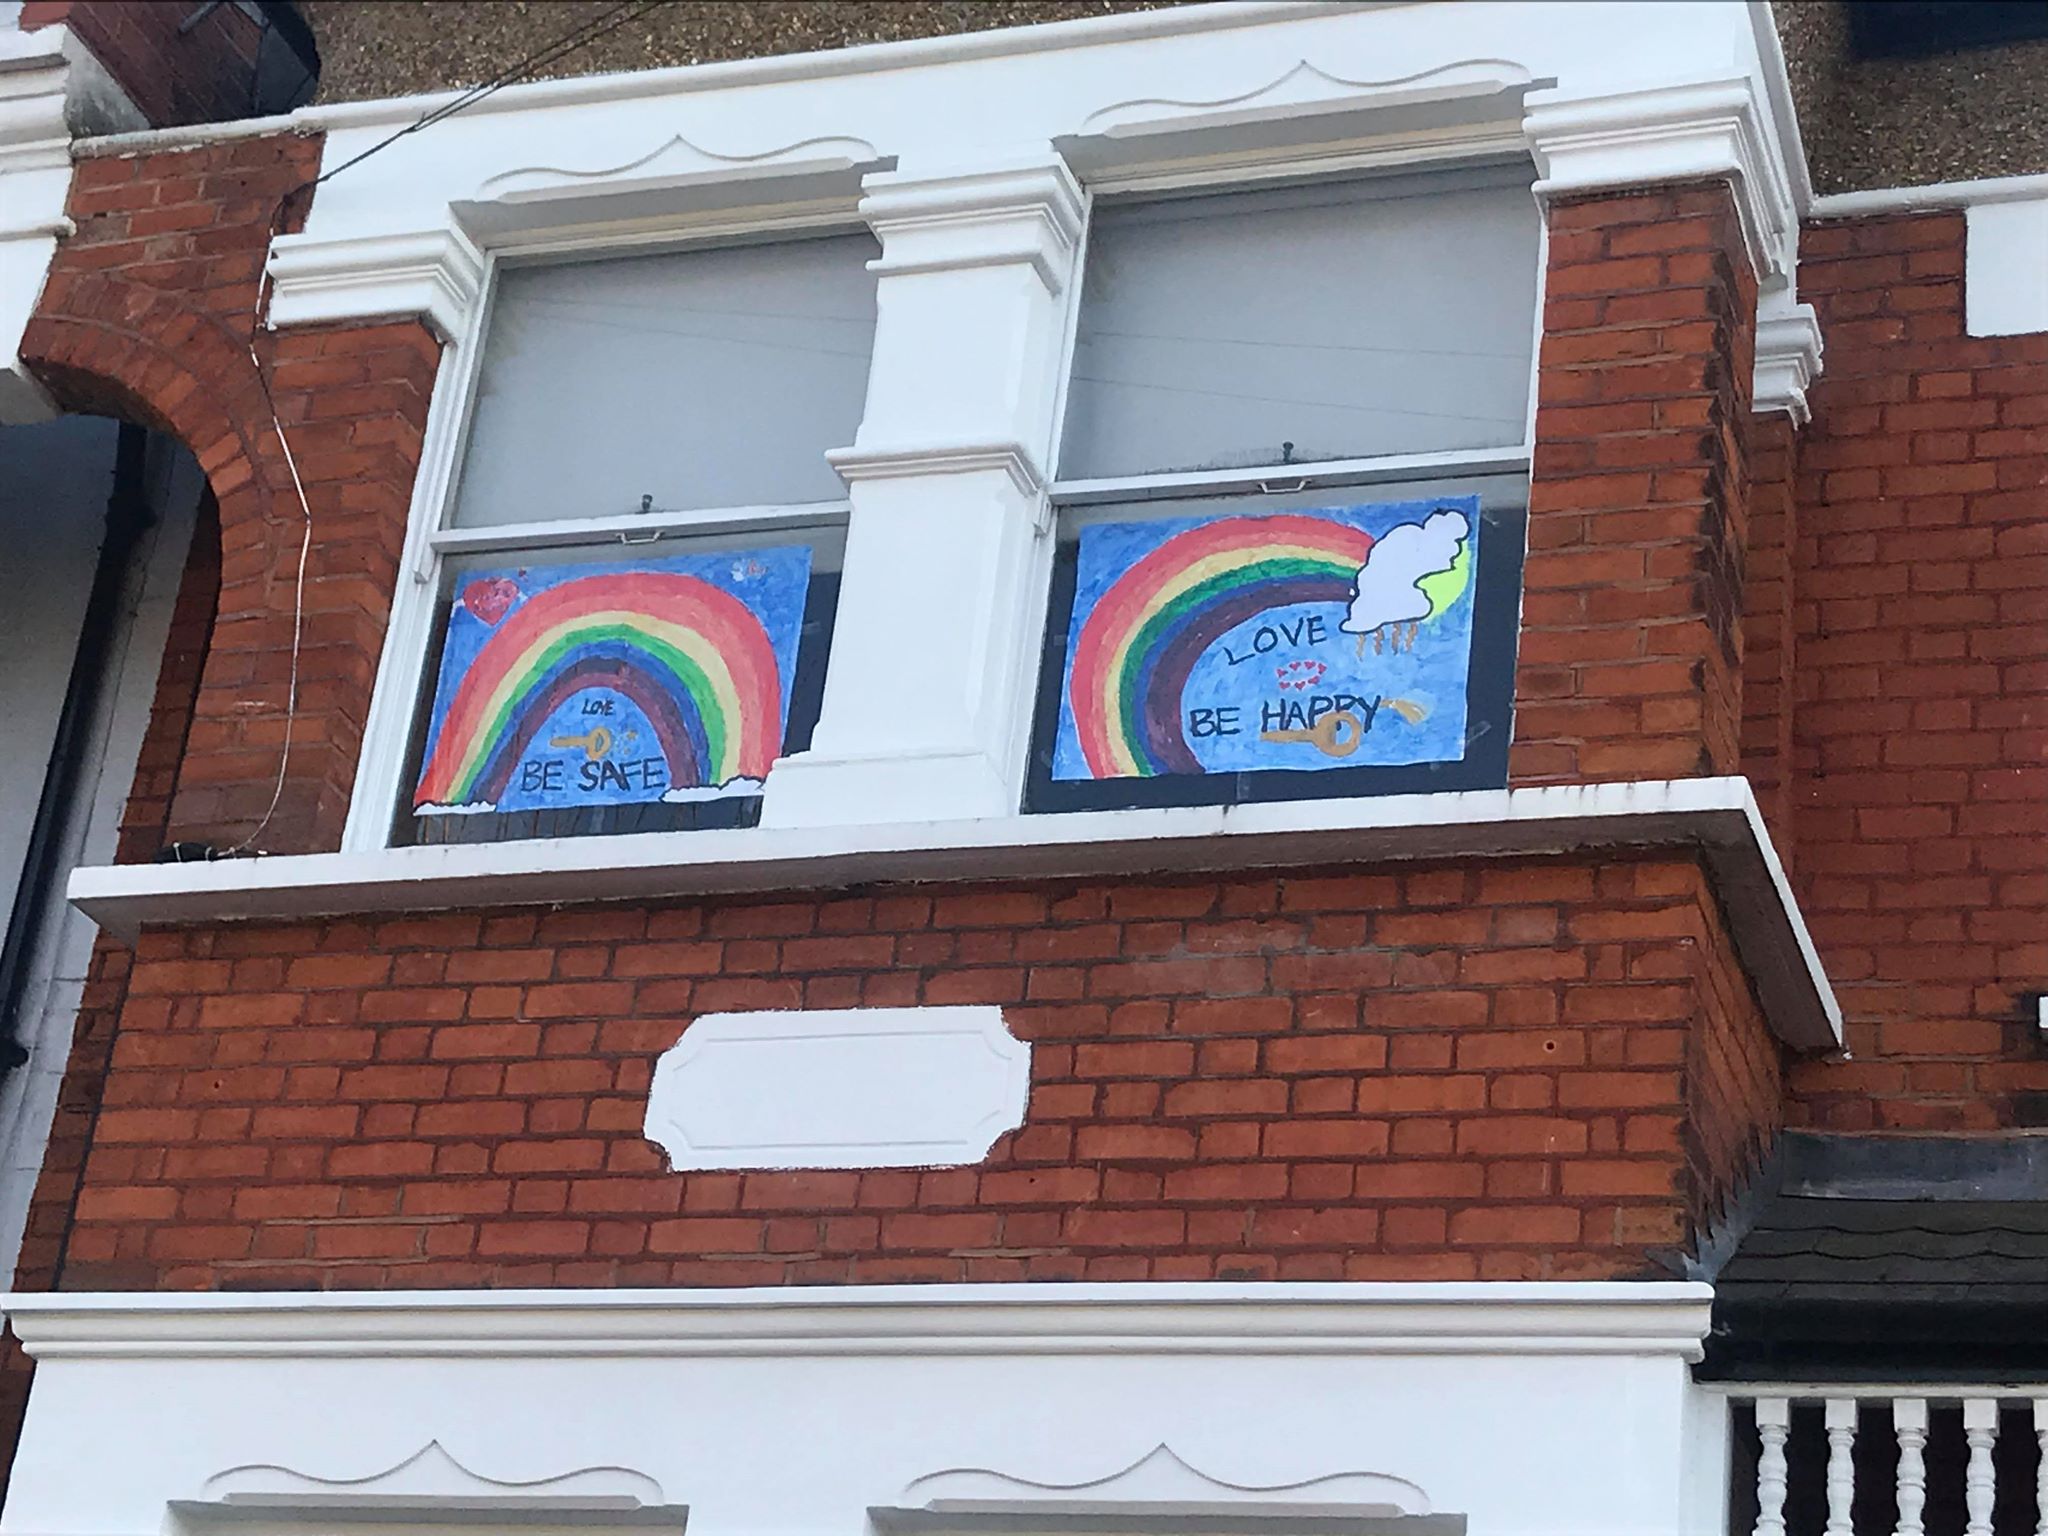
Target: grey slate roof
1889,1257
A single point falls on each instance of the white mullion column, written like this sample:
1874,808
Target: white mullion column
947,550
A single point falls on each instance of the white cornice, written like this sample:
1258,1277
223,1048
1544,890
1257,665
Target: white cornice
682,79
1690,131
1788,355
433,275
1206,1318
1717,816
890,460
991,216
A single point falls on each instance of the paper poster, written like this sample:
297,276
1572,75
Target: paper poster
1310,640
614,683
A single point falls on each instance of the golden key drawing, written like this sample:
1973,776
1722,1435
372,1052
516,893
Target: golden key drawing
595,742
1337,734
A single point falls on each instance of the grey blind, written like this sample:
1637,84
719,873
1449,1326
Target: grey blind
701,378
1345,319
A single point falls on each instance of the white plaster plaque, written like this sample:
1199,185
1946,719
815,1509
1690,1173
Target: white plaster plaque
839,1088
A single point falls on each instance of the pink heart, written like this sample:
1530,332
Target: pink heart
489,600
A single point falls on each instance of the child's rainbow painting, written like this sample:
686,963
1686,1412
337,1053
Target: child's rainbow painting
611,684
1324,639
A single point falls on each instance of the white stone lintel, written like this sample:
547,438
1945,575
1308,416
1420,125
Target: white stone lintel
432,275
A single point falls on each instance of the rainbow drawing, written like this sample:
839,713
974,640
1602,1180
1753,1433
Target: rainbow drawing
606,684
1134,650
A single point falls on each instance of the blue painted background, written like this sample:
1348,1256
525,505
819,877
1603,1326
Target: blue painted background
773,583
1434,675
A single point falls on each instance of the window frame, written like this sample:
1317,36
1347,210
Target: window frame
380,795
1446,153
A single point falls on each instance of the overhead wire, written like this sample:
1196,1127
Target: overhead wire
577,37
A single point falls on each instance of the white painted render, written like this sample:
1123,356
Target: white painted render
51,544
2005,267
1564,1409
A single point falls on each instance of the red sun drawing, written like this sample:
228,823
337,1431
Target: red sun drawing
489,599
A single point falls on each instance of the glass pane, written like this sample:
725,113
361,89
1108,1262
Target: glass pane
614,688
1341,320
1311,644
699,379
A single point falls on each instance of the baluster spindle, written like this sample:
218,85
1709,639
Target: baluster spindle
1773,1425
1980,1477
1841,1422
1909,1422
2041,1476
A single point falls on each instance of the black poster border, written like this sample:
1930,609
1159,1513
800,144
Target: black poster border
1489,706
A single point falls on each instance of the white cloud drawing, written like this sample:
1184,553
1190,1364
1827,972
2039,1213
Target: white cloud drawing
1389,590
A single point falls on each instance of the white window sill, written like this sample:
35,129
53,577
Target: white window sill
1716,816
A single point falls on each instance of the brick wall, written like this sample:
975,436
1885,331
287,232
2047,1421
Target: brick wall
148,314
1922,611
173,74
1769,648
1630,663
1517,1070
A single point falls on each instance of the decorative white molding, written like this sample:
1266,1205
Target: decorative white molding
1016,459
1222,1318
974,297
1788,355
678,163
839,1088
1696,130
999,216
434,275
1717,816
873,1388
1306,89
2005,267
35,177
1161,1484
430,1484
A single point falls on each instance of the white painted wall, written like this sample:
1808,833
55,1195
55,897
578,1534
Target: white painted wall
1529,1409
2005,274
54,482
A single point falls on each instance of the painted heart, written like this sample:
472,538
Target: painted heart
1300,675
490,599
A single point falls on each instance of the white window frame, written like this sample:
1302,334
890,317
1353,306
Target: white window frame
1448,153
379,795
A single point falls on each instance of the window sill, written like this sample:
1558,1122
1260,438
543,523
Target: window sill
1716,816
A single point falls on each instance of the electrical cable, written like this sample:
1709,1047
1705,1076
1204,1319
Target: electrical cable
578,37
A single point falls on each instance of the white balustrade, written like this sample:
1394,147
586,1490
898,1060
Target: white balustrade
1841,1425
1980,1490
1773,1426
1799,1473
